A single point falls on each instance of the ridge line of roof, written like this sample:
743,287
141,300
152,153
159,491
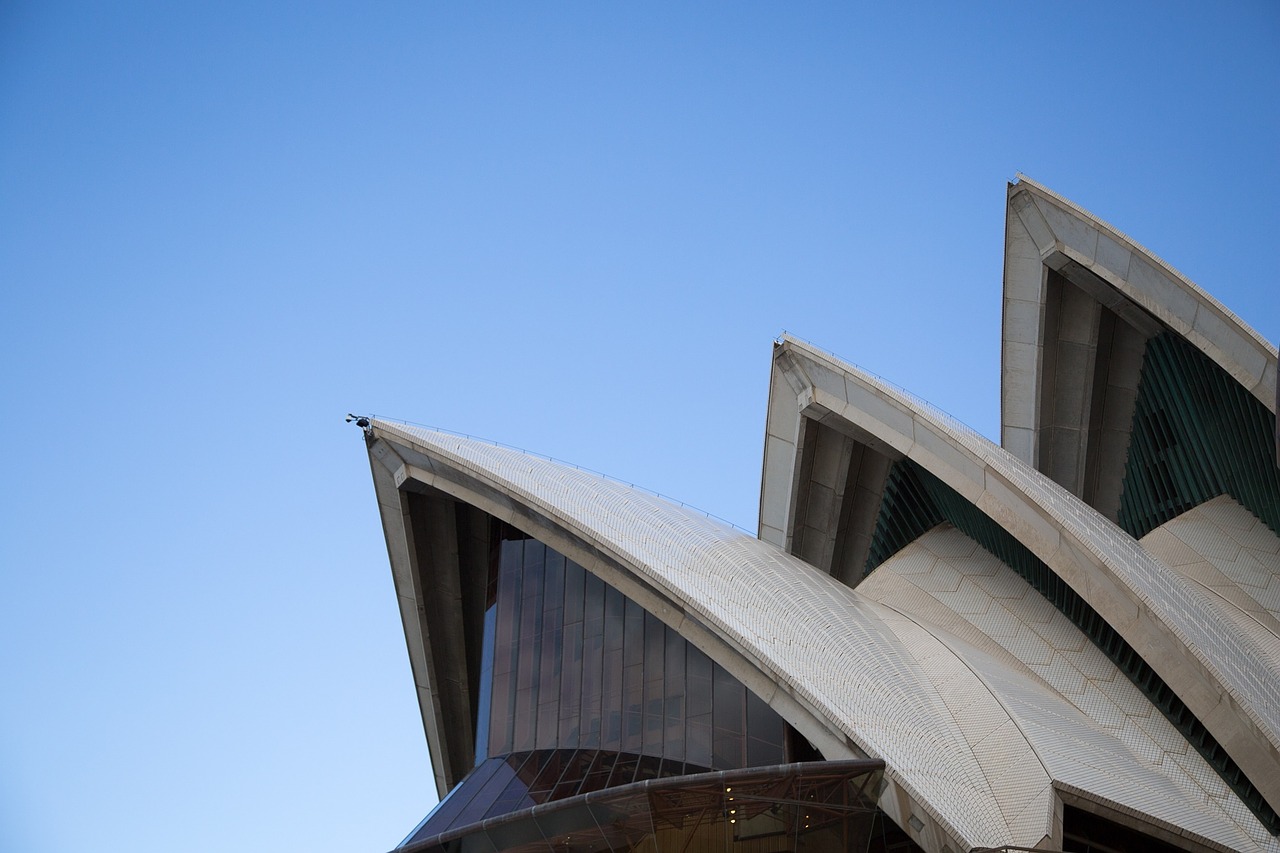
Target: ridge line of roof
1023,181
399,424
1096,534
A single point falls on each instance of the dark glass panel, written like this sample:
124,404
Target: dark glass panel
648,767
526,715
624,770
673,695
446,813
698,741
597,777
593,601
535,556
552,651
728,698
673,662
611,689
530,647
553,594
576,769
763,752
698,667
574,581
655,647
485,700
541,785
571,686
633,678
674,767
592,662
475,810
508,619
634,634
506,648
726,749
531,604
673,729
615,604
611,704
654,717
764,725
633,708
578,669
547,734
513,798
526,653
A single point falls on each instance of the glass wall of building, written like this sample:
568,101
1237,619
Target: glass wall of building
571,663
581,689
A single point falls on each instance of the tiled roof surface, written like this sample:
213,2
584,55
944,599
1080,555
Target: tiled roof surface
979,744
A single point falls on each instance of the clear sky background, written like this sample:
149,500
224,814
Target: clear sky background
571,227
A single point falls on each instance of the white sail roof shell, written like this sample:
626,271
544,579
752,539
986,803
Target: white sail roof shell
955,739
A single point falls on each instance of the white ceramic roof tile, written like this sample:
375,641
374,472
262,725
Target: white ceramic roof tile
1232,655
1230,543
1198,293
1082,756
1076,670
1033,815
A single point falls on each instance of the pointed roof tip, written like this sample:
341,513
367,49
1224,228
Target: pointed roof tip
1198,293
1022,180
912,401
365,422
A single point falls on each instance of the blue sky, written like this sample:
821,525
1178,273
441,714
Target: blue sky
570,227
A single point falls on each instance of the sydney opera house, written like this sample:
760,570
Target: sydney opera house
1070,641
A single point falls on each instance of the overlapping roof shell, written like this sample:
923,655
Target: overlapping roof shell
990,708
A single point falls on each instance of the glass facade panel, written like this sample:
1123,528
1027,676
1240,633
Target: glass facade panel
577,665
824,807
582,689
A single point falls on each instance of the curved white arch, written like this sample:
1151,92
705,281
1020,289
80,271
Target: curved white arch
1055,230
1013,636
1081,300
1224,674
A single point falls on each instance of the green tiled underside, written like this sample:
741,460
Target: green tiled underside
1197,434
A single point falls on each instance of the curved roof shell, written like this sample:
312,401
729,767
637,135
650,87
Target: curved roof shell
1081,302
989,707
858,678
1222,670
